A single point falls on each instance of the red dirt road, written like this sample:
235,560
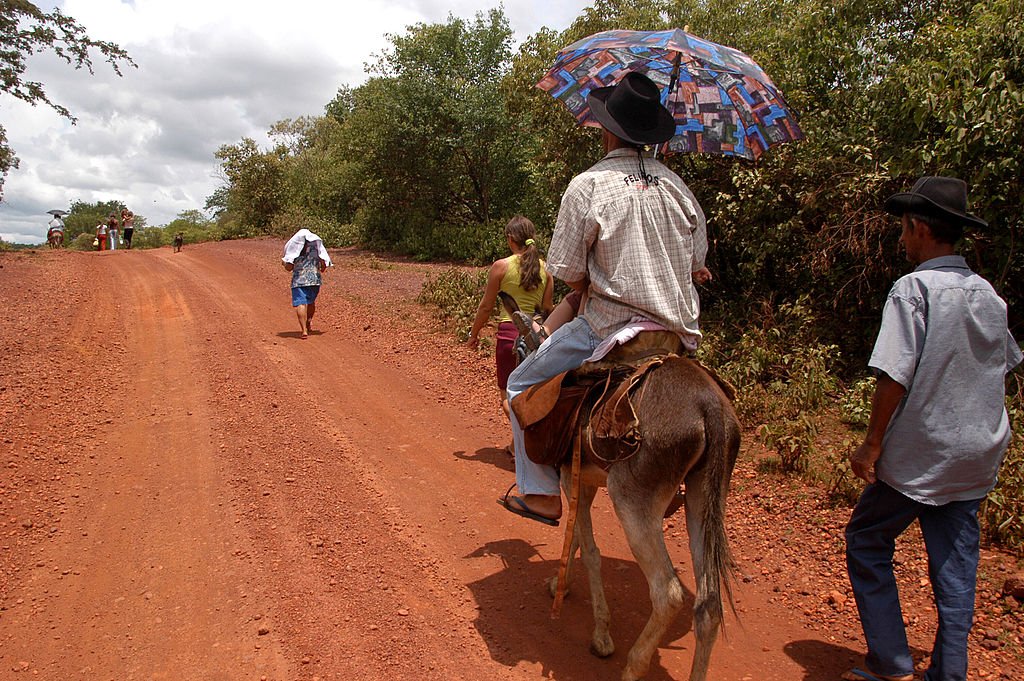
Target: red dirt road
190,491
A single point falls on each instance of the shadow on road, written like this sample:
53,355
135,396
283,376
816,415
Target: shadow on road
822,660
297,334
494,456
515,621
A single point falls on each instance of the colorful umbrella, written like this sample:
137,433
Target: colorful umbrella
723,102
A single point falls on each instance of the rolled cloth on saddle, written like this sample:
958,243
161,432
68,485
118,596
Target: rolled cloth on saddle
630,331
293,248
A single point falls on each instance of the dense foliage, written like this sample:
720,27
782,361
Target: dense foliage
448,138
26,30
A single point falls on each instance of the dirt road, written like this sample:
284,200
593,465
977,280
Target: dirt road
191,491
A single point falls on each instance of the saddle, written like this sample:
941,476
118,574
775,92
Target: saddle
595,400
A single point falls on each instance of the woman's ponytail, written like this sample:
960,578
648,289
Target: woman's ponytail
524,234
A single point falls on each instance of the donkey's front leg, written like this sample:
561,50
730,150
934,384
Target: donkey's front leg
601,643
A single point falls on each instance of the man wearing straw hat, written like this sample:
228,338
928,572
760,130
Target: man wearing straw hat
937,434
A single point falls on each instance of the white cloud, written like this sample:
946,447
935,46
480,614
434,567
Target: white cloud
210,72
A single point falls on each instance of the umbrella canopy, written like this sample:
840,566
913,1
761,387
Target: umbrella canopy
57,213
722,101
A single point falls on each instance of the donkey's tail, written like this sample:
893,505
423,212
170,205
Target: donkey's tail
722,445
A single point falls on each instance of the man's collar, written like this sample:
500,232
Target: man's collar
622,152
954,261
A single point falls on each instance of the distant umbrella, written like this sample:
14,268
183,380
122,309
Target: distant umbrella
57,213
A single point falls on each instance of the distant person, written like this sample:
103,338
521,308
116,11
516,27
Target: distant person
112,231
306,258
55,232
937,434
127,227
179,239
101,236
521,276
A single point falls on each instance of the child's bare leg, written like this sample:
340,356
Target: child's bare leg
300,312
310,311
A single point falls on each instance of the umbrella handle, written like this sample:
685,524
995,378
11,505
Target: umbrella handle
668,93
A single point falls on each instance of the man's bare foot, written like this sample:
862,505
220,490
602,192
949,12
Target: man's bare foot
541,504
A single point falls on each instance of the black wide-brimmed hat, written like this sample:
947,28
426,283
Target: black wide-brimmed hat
632,110
939,197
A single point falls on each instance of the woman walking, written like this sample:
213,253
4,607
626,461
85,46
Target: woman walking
127,227
521,276
112,231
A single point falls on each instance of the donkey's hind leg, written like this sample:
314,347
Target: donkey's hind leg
707,606
640,513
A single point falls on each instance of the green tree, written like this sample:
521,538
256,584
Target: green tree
84,217
255,183
194,225
438,152
26,30
341,106
320,177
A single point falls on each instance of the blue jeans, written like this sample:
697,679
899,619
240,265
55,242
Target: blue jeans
567,348
951,538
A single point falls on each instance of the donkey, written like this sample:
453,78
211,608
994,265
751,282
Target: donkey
690,434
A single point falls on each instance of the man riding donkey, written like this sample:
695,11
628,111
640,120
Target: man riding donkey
631,235
55,232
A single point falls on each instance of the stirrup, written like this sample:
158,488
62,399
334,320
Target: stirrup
519,348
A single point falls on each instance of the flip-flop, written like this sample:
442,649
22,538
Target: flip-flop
857,674
521,509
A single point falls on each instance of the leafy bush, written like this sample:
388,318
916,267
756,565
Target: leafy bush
150,237
82,242
292,219
336,235
855,402
783,376
456,294
791,438
1002,513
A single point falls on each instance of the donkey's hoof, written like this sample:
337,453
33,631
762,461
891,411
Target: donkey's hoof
553,587
602,646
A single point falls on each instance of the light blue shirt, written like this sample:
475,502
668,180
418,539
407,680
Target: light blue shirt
944,338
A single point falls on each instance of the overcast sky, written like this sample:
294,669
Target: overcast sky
210,73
